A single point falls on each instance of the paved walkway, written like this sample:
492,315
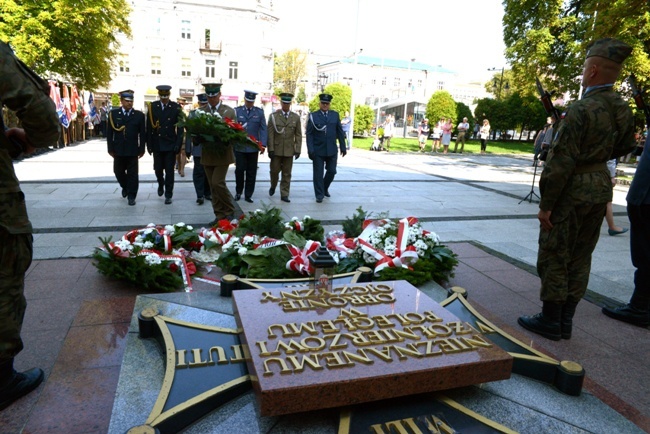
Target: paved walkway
76,319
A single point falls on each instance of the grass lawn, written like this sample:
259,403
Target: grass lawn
471,146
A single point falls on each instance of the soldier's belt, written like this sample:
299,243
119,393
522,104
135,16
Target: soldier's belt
590,168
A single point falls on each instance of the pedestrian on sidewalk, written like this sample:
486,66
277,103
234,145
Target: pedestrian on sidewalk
463,128
423,133
447,128
436,134
484,135
28,95
575,187
126,139
284,145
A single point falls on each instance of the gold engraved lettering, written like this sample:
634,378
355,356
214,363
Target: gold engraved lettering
483,328
424,330
378,429
351,313
375,337
362,300
358,339
337,301
403,353
198,361
264,352
459,328
291,347
299,366
347,323
432,317
414,318
437,330
476,341
288,306
382,287
334,345
448,346
403,426
360,357
290,295
180,359
239,356
386,298
267,296
269,331
383,354
320,343
284,368
406,333
221,356
403,321
437,426
333,360
292,329
328,326
317,304
382,321
363,322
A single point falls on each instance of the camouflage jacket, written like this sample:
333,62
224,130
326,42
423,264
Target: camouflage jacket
209,157
595,129
24,92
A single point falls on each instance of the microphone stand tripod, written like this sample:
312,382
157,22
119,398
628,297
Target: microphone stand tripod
532,193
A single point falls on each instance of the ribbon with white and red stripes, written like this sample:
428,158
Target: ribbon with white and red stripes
404,254
300,257
167,239
179,260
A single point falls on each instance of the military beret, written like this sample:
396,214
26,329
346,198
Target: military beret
286,97
325,97
127,95
609,48
249,95
212,89
163,89
202,98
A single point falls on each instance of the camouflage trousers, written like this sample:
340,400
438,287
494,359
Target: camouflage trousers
564,255
15,257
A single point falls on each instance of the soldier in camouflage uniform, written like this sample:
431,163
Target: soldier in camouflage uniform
284,144
575,187
20,90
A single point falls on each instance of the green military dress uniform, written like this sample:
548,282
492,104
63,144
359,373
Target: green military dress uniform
284,144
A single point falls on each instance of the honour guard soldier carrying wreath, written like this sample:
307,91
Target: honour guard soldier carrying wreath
323,130
126,139
252,118
164,139
284,144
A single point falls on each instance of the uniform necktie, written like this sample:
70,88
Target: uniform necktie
286,115
325,113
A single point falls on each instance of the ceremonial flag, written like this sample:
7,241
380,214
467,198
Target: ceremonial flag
74,101
55,95
67,114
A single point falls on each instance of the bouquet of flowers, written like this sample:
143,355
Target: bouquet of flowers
217,133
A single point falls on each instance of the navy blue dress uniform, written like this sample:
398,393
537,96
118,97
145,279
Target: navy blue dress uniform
252,118
126,139
164,139
323,130
201,185
216,164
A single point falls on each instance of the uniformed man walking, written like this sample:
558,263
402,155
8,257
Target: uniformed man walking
284,144
201,185
575,187
323,130
28,95
126,139
252,118
164,139
216,164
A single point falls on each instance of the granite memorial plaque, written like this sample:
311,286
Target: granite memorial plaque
358,343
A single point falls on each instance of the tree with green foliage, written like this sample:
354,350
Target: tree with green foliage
342,96
548,39
364,117
463,111
70,38
288,69
302,96
441,105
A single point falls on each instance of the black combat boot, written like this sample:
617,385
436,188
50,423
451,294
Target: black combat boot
546,323
566,320
14,385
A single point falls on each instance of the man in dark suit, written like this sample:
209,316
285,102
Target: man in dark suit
323,130
126,139
164,139
252,118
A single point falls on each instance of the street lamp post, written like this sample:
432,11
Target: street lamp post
494,85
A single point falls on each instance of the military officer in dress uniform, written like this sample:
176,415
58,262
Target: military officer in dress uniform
323,130
216,164
201,185
164,139
284,144
126,139
252,118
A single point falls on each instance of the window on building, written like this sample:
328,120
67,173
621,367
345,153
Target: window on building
209,68
441,85
186,67
233,70
396,83
155,65
373,81
419,83
185,29
123,63
206,38
383,81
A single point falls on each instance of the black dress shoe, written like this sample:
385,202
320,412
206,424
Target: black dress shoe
208,198
161,191
237,196
285,199
168,201
200,201
249,200
319,200
327,193
629,314
20,384
271,191
124,192
131,202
